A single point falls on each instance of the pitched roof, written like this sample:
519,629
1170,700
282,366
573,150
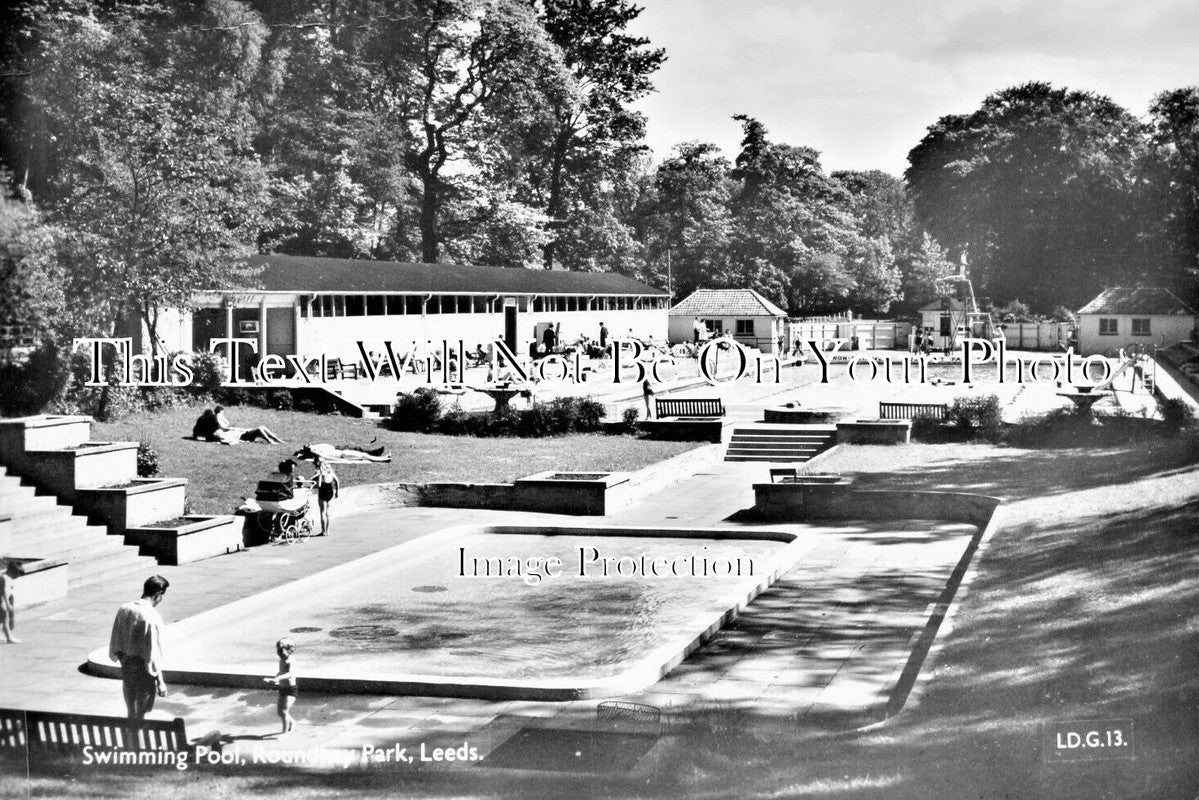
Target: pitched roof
309,274
1136,300
726,303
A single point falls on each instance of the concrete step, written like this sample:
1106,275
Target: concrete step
81,552
117,563
775,439
787,454
41,526
770,459
31,507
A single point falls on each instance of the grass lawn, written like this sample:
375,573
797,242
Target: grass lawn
219,476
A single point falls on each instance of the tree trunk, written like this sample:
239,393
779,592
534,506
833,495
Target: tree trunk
428,220
553,208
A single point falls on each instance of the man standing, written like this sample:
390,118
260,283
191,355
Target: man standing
137,644
603,336
700,330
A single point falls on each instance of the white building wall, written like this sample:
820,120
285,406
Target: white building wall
767,329
1164,329
337,336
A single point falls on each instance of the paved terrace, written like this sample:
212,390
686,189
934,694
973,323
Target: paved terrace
823,646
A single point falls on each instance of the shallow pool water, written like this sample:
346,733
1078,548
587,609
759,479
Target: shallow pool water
435,610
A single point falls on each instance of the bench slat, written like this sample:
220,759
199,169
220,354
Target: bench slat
689,407
912,410
48,730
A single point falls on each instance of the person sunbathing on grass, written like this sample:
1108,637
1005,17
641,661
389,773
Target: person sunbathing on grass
213,426
328,452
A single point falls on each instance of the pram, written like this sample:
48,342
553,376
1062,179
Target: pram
284,514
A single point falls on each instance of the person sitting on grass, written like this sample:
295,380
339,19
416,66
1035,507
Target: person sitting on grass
227,434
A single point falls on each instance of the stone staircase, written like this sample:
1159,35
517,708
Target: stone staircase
779,443
40,526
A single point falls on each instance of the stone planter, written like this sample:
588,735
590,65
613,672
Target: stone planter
187,538
591,493
140,503
39,580
64,473
20,436
875,431
580,493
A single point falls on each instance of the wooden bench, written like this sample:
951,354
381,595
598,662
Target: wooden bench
912,410
53,732
689,407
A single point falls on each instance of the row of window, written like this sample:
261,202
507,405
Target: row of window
1110,326
371,305
744,327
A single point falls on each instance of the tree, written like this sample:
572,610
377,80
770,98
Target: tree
1174,132
794,237
686,211
32,281
157,191
590,126
1038,187
460,56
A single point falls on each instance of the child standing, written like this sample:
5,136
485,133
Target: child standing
286,681
8,603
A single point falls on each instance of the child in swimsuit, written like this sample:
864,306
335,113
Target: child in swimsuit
286,681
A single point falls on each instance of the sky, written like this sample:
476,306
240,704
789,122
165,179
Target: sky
861,80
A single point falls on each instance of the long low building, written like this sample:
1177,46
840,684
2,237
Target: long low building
309,306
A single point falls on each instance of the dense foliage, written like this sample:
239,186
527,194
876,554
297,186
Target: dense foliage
422,411
150,145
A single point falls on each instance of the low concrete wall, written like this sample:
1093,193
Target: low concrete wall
797,501
203,537
41,579
147,501
802,416
43,432
64,472
563,497
897,431
685,430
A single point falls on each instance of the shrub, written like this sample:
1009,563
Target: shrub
502,423
976,415
564,414
280,399
591,414
629,419
30,387
147,459
418,411
537,421
1176,413
232,396
209,370
457,422
925,427
306,404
